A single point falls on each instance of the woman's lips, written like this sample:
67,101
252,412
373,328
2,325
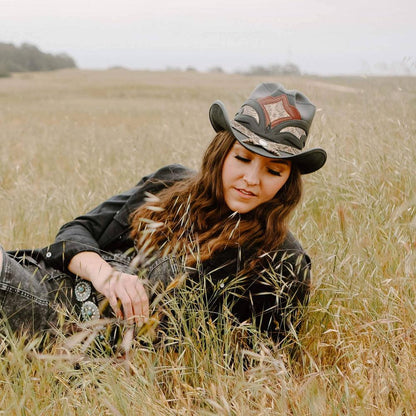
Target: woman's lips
245,193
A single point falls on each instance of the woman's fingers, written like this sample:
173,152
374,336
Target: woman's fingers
112,300
141,304
126,303
132,295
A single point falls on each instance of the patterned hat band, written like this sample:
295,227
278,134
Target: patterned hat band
272,147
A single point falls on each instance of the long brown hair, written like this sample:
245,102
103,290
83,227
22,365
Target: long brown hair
191,215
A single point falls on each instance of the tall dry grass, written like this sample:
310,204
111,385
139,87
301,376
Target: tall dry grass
69,139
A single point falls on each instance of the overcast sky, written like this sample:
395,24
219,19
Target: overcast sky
320,36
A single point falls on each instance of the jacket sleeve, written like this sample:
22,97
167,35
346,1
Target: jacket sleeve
279,293
282,294
272,297
93,231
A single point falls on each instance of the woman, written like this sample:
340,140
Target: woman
225,226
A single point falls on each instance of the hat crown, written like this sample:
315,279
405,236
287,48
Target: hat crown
280,115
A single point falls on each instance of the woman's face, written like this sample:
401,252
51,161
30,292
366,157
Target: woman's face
249,179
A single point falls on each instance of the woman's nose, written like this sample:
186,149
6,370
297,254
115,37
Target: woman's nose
251,176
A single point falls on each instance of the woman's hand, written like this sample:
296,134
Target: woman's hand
128,290
117,287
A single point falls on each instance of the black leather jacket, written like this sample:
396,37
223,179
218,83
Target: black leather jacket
273,296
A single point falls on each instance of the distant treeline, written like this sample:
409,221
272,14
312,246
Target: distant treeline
285,69
275,69
28,57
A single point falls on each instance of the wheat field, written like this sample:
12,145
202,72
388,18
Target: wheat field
71,138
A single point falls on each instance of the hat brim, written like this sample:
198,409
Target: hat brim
308,161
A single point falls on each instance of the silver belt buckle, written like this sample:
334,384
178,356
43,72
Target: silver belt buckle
84,294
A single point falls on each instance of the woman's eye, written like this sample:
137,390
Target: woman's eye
242,159
275,172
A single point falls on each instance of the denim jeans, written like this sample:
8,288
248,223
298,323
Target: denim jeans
31,296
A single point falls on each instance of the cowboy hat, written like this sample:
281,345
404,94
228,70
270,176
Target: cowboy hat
273,122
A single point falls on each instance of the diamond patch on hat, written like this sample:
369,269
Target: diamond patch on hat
250,111
278,109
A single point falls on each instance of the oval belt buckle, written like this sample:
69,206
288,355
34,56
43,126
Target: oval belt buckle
82,291
89,311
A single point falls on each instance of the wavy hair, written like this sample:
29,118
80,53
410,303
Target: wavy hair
191,216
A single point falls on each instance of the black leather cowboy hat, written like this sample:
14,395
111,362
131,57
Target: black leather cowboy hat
273,122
